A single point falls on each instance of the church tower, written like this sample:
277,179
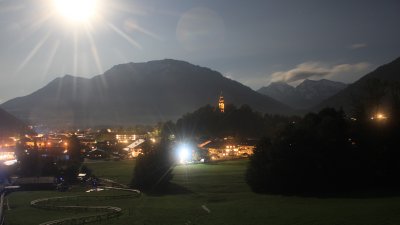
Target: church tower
221,103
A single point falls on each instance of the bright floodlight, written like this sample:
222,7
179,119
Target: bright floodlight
183,153
76,10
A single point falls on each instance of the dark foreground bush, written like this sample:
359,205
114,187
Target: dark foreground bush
153,169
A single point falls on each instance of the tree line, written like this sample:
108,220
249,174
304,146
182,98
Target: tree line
329,151
239,122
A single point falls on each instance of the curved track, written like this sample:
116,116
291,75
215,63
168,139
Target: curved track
101,213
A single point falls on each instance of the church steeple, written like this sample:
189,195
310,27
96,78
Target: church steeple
221,103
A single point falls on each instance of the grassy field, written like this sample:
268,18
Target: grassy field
216,194
119,171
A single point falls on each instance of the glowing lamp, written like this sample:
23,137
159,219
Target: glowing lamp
184,153
379,116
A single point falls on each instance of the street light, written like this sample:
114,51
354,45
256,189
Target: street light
379,117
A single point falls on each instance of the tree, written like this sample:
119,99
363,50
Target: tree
69,169
153,169
208,121
74,148
312,155
167,129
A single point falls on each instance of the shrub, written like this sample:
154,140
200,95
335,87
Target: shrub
153,169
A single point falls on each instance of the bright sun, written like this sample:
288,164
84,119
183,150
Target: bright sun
78,11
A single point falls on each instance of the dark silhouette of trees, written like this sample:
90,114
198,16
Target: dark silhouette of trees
153,169
312,155
204,121
327,152
377,139
74,149
167,129
240,122
69,169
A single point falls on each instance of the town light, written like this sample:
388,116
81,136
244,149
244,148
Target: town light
10,162
379,116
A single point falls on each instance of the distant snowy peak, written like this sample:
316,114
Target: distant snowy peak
321,89
305,95
277,90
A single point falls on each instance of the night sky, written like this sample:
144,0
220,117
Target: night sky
255,42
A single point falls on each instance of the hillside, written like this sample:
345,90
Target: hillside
9,125
384,79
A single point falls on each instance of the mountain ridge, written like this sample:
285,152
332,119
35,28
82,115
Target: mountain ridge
133,93
305,95
9,125
356,92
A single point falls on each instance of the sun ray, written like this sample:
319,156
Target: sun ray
34,26
33,52
78,32
51,57
40,21
74,87
149,33
75,55
124,35
133,26
94,51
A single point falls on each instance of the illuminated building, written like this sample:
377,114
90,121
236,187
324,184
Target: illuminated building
135,148
221,103
7,153
228,148
128,137
125,138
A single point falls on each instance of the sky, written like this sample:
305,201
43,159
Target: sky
255,42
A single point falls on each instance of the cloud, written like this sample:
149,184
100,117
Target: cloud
358,45
317,70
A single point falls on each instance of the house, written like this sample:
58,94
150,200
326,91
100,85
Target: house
228,148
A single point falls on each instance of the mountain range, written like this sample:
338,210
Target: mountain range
304,96
146,93
135,93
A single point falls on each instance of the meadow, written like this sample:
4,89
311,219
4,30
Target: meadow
213,194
